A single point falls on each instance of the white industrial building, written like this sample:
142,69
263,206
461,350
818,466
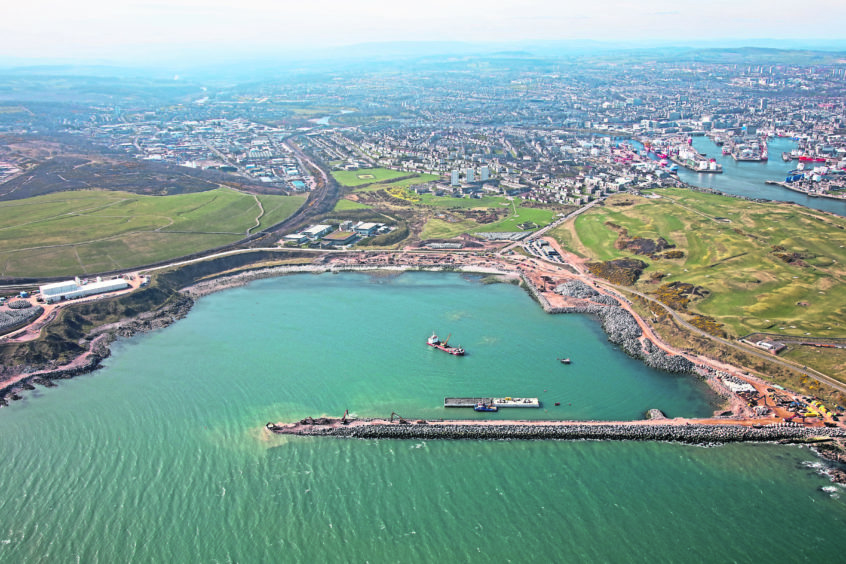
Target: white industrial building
70,289
317,231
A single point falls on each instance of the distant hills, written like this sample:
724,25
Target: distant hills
238,66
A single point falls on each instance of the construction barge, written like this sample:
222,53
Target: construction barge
496,402
683,432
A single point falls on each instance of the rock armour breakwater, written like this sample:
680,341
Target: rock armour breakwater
622,329
683,433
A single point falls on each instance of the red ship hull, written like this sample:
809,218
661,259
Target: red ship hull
447,349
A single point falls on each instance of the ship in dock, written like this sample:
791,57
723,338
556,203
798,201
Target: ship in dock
434,341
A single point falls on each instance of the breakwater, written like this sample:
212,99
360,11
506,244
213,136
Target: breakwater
568,430
622,329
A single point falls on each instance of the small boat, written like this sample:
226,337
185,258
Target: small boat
564,360
482,406
558,403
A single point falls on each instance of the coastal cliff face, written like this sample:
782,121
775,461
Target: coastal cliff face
94,346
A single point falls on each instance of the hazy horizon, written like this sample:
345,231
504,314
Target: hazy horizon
97,31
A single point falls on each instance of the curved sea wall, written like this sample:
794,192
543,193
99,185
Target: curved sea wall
209,286
689,433
622,329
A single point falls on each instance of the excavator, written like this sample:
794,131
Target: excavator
399,418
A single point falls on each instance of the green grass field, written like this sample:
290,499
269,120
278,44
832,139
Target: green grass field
729,246
404,183
90,231
540,217
354,178
438,228
344,205
447,202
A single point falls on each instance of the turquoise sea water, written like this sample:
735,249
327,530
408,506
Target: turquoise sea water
161,455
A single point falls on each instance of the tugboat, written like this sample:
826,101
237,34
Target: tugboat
482,406
435,342
564,360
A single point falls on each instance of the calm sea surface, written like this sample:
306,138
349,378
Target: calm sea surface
161,456
749,178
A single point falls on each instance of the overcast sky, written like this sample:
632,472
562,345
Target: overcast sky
122,29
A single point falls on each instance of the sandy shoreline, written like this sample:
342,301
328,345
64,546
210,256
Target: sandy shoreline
241,279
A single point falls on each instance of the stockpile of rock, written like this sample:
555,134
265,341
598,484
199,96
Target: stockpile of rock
605,300
18,316
576,289
580,290
19,304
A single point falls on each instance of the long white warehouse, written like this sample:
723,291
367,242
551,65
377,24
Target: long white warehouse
58,291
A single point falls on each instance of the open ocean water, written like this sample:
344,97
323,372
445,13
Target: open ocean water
161,455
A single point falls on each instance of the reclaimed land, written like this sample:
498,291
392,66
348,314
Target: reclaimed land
90,231
778,268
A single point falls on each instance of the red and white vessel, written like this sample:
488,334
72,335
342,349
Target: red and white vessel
434,341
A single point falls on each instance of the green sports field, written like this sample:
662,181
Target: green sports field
85,232
732,248
366,176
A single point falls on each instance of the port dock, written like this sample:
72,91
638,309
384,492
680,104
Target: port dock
498,402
